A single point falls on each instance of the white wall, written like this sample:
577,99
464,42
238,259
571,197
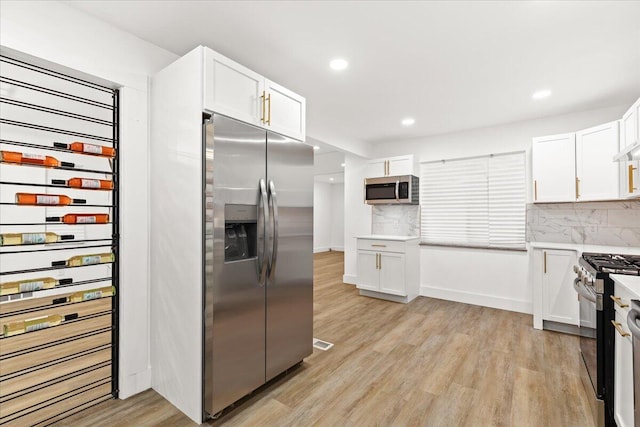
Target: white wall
357,214
328,216
57,33
485,277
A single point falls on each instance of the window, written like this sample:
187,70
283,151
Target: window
477,202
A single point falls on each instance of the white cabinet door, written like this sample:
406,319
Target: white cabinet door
231,89
596,172
630,126
559,299
368,273
623,381
630,183
392,280
376,168
401,166
553,168
285,111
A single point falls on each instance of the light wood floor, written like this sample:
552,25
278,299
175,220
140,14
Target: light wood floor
427,363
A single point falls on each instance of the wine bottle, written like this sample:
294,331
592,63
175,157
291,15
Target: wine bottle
80,260
32,159
46,199
107,291
92,184
30,285
82,147
35,324
32,238
91,218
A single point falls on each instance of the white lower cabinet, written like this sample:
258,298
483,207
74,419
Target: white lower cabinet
553,281
623,377
388,269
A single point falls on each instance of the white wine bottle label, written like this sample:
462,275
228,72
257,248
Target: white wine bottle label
91,295
85,220
92,259
33,238
33,156
31,286
93,149
37,326
90,183
47,200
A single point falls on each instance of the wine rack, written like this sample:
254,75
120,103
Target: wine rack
59,236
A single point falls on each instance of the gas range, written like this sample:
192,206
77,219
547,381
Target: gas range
611,263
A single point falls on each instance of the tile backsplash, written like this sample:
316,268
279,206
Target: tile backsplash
614,223
397,220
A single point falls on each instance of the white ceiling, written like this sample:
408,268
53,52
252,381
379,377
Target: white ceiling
451,65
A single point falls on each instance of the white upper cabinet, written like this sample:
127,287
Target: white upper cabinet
285,111
597,175
630,126
236,91
553,169
232,89
391,166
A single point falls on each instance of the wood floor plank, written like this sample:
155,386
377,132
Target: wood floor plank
427,363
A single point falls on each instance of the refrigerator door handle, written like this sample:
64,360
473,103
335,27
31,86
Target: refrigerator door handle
262,249
273,207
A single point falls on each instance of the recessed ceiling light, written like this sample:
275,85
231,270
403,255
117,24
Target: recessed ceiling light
315,147
541,94
408,121
338,64
330,179
342,164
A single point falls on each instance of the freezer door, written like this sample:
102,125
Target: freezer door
235,211
290,276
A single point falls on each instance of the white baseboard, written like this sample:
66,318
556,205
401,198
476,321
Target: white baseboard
477,299
337,248
321,249
349,279
134,384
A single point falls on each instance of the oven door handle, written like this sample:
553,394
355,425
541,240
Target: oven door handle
632,322
583,292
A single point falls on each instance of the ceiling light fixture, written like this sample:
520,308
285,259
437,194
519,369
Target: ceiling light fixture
408,121
541,94
338,64
330,179
315,147
343,164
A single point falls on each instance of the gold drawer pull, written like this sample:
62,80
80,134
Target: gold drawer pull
380,246
630,176
618,301
618,327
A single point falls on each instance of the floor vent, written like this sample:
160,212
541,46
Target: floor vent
321,345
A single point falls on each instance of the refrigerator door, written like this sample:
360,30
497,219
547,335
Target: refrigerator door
290,277
235,218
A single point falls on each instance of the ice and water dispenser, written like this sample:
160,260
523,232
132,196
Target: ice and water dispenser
240,232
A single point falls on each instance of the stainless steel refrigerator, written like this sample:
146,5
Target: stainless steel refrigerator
258,258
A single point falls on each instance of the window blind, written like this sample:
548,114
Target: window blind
477,201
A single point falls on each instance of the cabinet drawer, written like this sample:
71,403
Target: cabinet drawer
26,361
22,402
35,377
622,300
381,245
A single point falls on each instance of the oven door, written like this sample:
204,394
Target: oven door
591,348
633,322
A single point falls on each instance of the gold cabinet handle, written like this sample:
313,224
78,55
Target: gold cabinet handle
535,190
545,262
630,177
263,97
618,301
377,262
577,187
618,327
380,261
269,110
380,246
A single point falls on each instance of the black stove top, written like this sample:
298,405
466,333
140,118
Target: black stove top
613,263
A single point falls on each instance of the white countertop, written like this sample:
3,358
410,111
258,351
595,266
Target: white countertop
632,283
388,237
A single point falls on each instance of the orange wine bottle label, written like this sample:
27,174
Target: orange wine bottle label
90,148
90,183
37,157
85,219
47,200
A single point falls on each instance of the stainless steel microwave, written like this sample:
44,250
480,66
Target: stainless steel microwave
391,190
